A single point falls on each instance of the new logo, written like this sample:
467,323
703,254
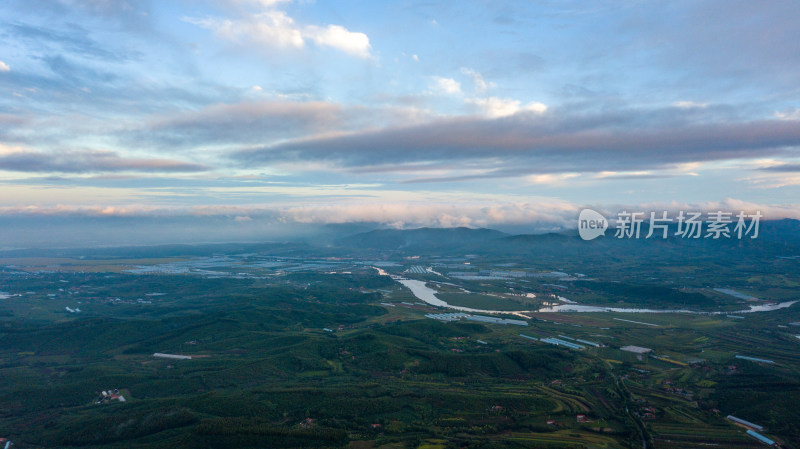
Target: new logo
591,224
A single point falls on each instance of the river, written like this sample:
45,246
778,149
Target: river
428,295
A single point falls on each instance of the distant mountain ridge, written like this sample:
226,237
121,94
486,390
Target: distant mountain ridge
781,237
778,237
422,238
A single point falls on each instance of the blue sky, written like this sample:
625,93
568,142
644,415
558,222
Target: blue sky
402,113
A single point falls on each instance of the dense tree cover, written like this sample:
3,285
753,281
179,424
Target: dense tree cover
265,374
512,363
364,279
763,395
268,375
274,436
124,426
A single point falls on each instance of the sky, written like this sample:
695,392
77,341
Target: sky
243,116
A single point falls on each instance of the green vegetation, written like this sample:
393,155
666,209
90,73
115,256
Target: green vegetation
485,302
313,348
645,295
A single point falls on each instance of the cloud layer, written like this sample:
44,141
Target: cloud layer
553,143
404,113
544,213
20,160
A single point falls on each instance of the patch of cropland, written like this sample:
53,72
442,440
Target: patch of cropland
483,302
644,295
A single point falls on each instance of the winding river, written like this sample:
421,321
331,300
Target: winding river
428,295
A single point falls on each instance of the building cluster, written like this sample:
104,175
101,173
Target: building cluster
109,395
586,342
493,320
161,355
447,316
751,430
560,342
479,318
682,392
638,350
754,359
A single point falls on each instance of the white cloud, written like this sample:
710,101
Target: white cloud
552,211
503,107
773,181
405,215
4,67
415,57
548,212
272,27
257,88
8,149
689,168
622,174
445,85
762,163
788,114
479,83
263,3
550,178
689,105
771,173
340,38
